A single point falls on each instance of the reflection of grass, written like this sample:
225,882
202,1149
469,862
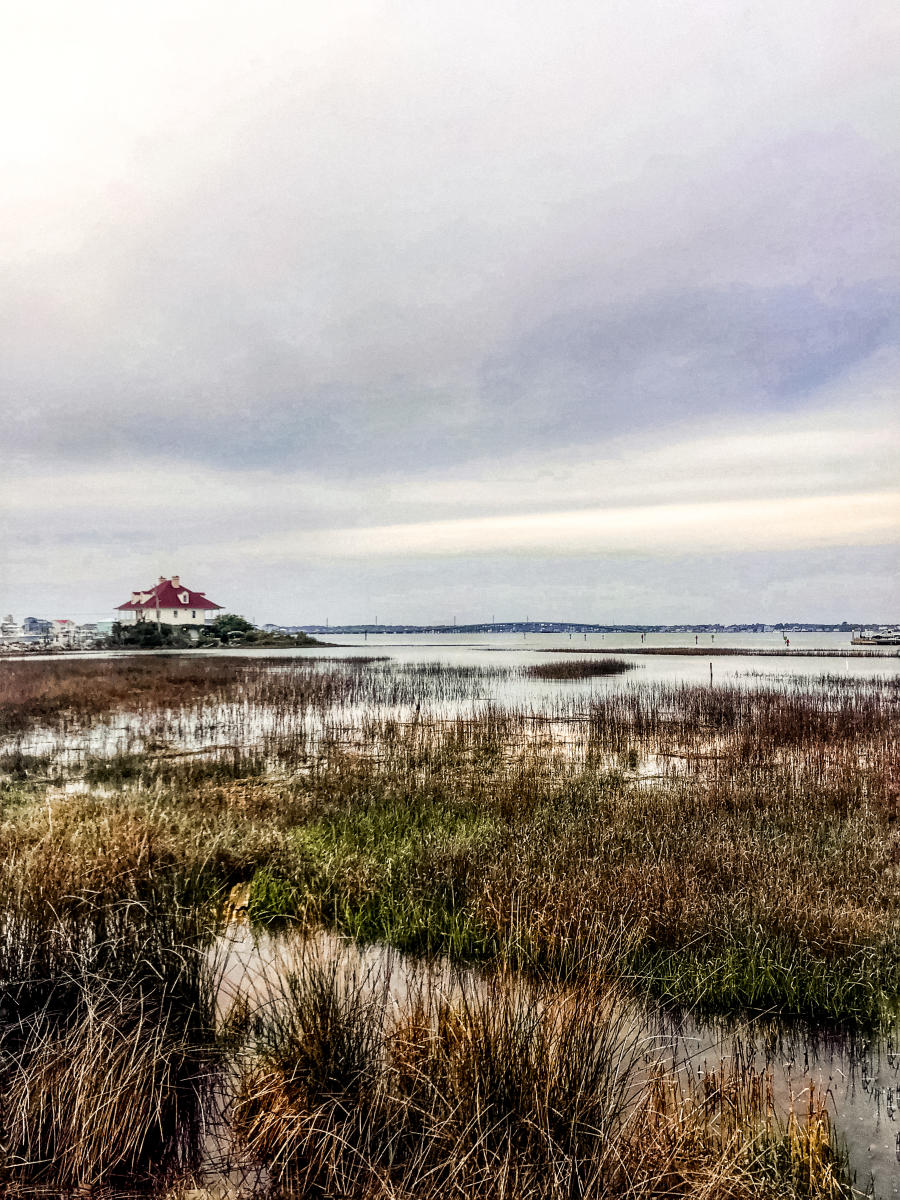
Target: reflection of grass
19,766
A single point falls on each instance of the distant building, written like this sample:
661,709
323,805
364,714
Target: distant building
168,602
62,631
9,627
36,625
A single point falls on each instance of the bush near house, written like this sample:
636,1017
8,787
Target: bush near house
147,635
228,629
227,624
236,630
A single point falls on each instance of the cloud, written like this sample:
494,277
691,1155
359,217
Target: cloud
782,523
386,267
802,455
405,242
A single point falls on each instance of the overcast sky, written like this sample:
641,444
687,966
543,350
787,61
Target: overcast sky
574,310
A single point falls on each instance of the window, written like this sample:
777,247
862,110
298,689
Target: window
193,614
175,613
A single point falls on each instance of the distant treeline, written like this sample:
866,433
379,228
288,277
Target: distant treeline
579,627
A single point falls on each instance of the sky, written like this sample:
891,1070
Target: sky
416,311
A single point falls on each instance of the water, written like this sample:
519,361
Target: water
608,641
758,664
516,649
861,1079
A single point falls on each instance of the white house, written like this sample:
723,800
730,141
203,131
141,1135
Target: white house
63,632
168,602
10,627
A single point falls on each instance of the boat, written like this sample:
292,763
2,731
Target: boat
871,637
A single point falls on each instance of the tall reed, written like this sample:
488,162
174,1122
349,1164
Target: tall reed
106,1043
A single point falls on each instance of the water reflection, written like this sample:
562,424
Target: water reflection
860,1076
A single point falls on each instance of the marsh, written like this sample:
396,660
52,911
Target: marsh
673,905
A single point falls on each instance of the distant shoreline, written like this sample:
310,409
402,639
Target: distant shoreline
555,627
671,651
723,652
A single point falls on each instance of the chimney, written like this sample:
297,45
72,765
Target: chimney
162,579
175,581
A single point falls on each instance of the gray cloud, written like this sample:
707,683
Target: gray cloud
393,241
195,343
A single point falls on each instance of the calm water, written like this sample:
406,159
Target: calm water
606,641
513,650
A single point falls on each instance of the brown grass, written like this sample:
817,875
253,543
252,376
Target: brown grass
724,847
579,668
501,1089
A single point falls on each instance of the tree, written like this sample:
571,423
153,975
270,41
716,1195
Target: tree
144,635
227,624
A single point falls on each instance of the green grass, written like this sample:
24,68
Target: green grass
727,905
772,892
386,871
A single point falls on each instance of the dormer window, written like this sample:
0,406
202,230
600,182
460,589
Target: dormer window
184,597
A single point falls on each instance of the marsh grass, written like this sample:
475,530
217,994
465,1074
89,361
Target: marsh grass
106,1043
45,692
579,668
753,824
747,839
727,848
495,1086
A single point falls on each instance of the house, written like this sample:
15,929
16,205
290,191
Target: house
168,602
37,626
62,632
9,627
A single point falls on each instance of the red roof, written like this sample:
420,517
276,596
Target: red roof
166,595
